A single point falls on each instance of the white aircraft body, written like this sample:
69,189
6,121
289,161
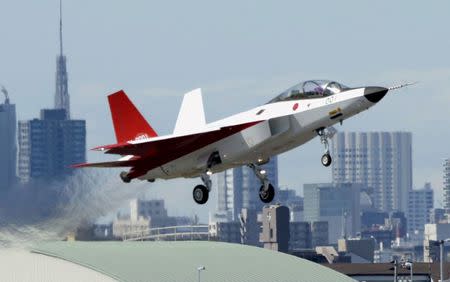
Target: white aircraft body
199,149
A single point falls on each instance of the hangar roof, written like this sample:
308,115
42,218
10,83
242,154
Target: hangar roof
178,261
21,265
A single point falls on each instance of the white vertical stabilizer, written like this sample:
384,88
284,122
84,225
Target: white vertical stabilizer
191,117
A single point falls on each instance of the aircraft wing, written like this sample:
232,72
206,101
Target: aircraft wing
183,143
160,150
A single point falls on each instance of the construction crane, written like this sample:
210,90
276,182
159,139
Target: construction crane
5,92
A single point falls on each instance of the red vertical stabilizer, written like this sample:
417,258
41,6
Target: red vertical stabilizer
129,124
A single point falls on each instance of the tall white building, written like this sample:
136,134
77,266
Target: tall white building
419,211
447,186
381,161
238,188
8,148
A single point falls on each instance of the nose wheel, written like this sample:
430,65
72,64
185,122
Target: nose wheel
326,160
325,134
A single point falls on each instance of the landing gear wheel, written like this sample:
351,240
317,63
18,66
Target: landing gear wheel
266,195
326,160
124,177
200,194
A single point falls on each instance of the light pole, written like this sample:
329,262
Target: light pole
199,269
395,269
409,265
441,258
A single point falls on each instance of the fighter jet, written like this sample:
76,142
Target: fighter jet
199,149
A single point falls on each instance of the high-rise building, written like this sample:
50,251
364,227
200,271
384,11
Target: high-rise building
238,188
8,147
381,161
62,99
420,208
50,145
447,186
338,204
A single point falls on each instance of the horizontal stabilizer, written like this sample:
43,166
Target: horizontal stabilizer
191,117
129,124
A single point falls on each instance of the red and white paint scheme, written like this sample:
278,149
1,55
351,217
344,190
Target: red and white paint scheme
199,149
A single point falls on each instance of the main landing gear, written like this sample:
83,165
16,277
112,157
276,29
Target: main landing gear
201,192
266,191
325,134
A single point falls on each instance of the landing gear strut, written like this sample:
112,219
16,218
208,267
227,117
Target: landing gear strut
325,134
266,191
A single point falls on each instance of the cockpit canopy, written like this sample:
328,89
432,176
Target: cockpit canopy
310,89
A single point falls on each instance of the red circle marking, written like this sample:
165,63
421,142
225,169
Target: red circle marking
295,107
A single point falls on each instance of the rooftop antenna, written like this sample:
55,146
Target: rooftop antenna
60,28
344,224
5,92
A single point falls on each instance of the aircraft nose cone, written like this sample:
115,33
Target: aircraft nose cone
375,93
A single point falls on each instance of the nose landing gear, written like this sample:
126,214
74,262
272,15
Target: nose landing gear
326,160
325,134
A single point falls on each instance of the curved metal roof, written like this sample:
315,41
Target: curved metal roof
21,265
178,261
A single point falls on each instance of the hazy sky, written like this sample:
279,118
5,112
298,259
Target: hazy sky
242,53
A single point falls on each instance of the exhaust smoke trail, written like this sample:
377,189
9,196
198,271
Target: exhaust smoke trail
50,211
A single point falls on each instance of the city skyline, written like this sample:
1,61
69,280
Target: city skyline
152,81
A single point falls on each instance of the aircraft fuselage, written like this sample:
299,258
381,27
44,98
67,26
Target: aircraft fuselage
279,127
